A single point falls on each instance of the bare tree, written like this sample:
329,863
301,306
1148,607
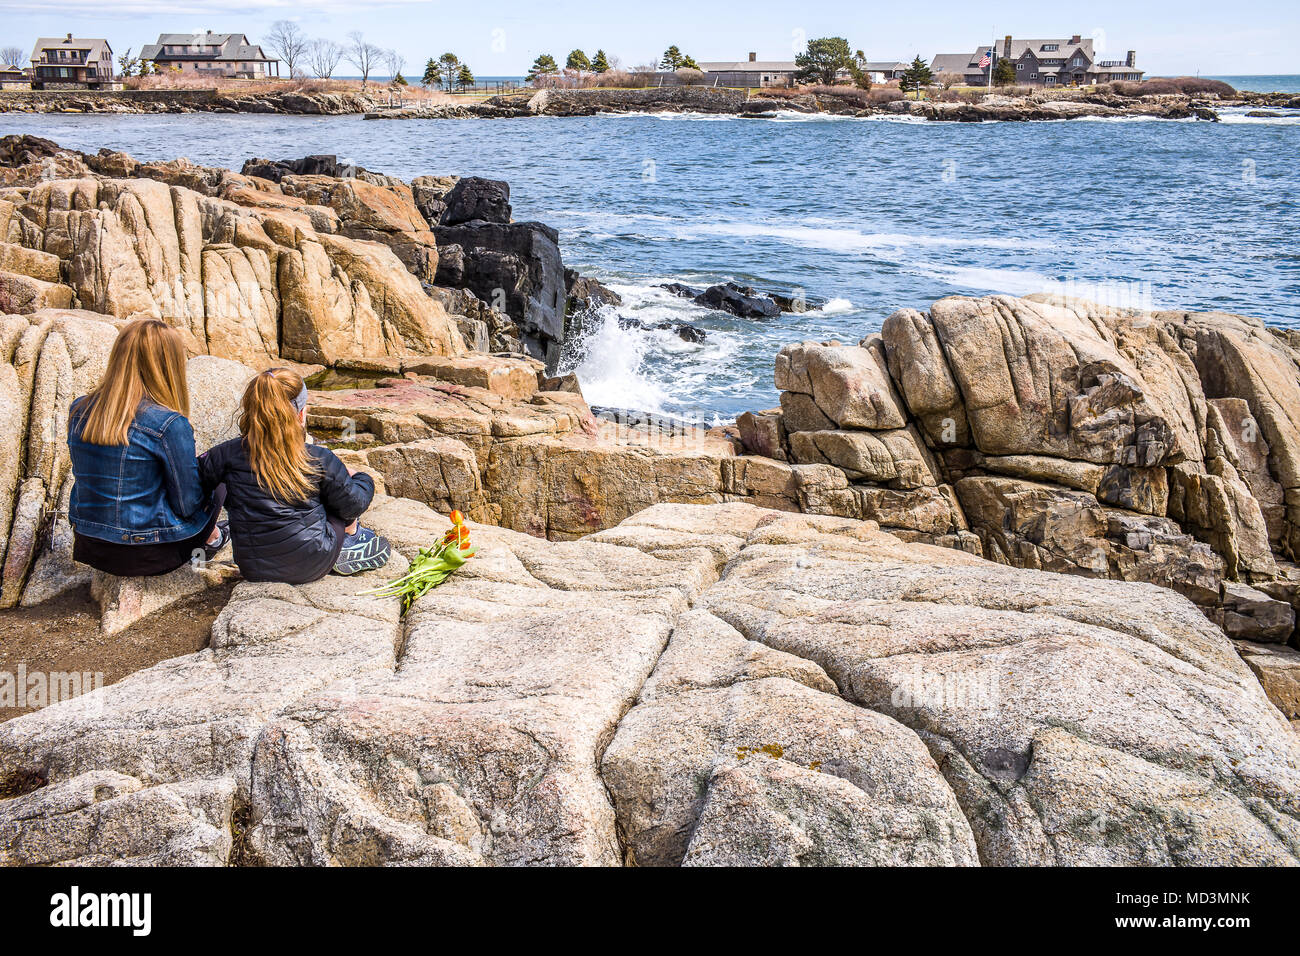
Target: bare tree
323,57
362,55
12,56
394,61
289,43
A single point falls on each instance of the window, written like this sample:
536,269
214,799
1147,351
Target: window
1078,61
1020,66
1051,46
1033,76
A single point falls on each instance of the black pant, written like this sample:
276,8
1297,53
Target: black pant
145,560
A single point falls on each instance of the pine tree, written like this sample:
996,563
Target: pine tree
1004,73
577,61
917,76
601,63
688,63
465,78
432,75
672,58
544,65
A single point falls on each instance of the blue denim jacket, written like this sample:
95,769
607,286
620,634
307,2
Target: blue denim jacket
144,492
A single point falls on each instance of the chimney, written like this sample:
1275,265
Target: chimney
1006,46
1131,59
69,39
1075,40
753,57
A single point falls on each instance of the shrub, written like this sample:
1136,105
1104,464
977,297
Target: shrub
881,95
1186,85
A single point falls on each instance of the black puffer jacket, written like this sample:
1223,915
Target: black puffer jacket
278,541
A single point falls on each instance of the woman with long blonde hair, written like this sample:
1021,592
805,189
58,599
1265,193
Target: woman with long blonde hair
293,506
138,506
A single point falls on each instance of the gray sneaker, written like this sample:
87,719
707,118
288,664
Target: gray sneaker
363,551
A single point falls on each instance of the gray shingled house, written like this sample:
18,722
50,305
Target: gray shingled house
1050,62
211,54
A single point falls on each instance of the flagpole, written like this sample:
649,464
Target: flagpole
993,42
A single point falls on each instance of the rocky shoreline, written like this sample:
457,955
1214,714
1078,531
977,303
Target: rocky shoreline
1009,564
758,104
188,101
1041,105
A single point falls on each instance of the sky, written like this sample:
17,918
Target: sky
503,37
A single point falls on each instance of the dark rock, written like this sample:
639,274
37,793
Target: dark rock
738,300
685,331
473,199
799,302
584,294
430,196
451,265
19,150
515,268
323,165
681,291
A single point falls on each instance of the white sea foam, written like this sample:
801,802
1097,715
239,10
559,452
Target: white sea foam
837,307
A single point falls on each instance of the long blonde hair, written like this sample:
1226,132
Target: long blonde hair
146,361
274,438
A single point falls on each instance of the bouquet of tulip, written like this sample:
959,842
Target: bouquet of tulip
432,566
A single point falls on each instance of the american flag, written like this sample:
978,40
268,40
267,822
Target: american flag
986,59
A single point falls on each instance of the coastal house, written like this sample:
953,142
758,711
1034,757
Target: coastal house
753,73
211,54
14,78
756,73
68,63
882,71
1064,61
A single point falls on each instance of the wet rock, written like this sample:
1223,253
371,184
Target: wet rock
738,300
474,199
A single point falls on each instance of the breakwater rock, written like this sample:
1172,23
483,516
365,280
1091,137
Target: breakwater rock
848,101
269,100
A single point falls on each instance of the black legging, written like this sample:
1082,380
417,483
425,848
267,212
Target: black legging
145,560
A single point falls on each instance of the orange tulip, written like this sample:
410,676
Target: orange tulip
457,518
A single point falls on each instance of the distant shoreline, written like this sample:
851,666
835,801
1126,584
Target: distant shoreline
969,106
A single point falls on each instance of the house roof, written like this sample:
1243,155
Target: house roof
883,66
231,47
953,63
93,47
751,66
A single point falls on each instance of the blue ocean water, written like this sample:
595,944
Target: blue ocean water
1263,83
867,216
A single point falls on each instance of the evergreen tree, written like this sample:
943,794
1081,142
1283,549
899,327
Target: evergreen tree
601,62
672,59
1004,72
577,61
543,66
822,60
465,79
432,75
688,63
916,77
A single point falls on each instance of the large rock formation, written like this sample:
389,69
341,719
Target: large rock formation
699,685
310,269
1157,447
